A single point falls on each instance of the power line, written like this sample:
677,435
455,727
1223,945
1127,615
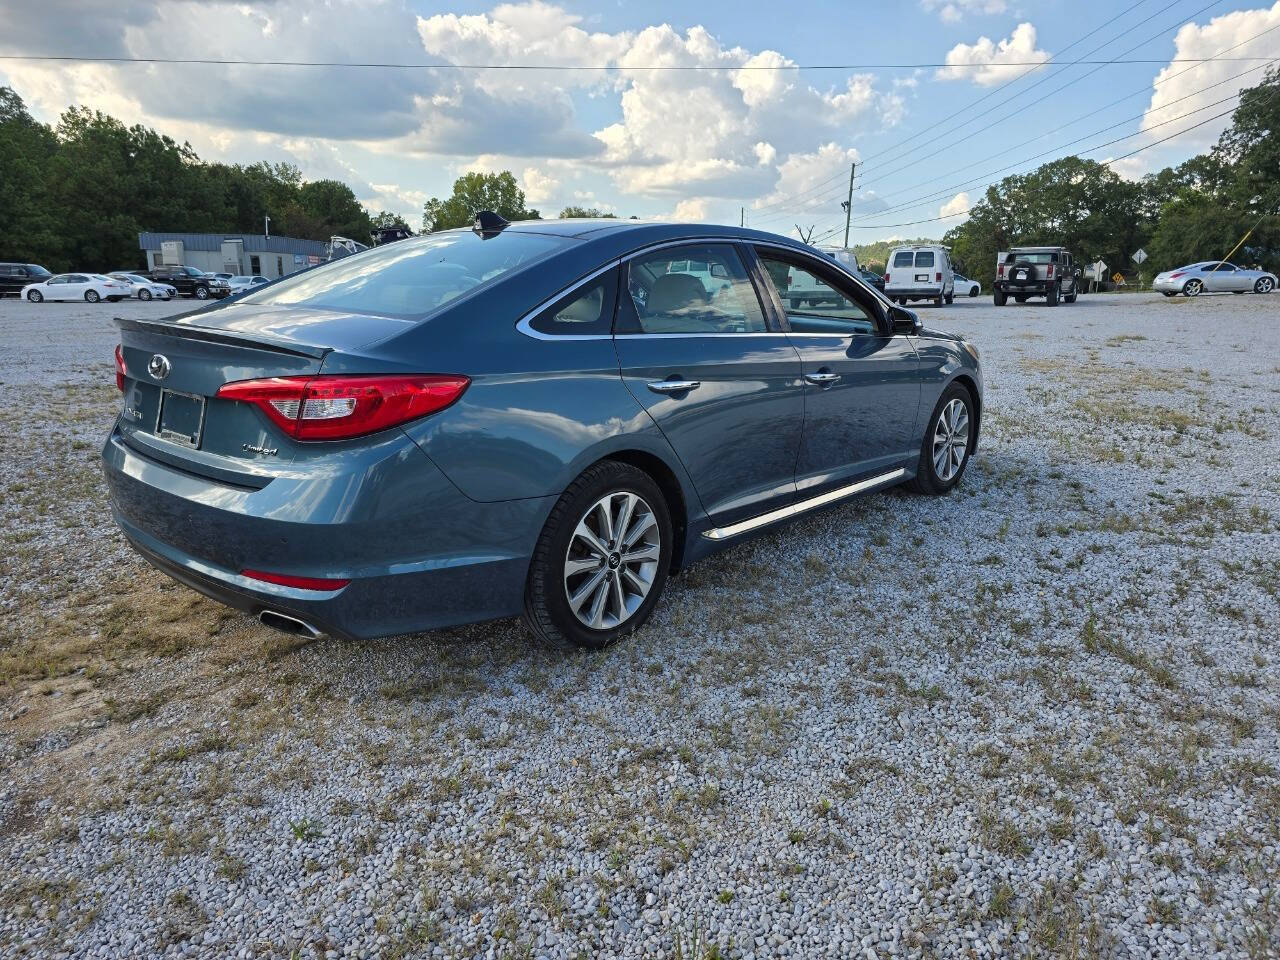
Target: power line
898,166
1105,163
967,184
576,68
1012,80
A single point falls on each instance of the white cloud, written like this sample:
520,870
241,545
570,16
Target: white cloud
718,133
958,204
990,61
952,11
692,210
538,187
1195,41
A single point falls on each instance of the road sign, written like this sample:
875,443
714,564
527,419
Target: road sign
1099,270
1139,256
1117,278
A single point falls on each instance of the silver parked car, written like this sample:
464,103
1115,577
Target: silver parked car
1213,276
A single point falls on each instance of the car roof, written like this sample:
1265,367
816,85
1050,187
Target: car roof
625,235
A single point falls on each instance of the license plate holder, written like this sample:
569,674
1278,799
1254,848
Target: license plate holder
180,418
922,278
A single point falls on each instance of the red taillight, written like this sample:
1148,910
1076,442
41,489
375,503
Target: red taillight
886,277
1175,276
300,583
1000,272
1049,273
937,277
340,407
120,370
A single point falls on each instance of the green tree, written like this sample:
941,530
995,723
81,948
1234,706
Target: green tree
334,205
472,193
28,216
582,213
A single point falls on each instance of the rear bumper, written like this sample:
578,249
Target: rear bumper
1169,286
1031,288
419,555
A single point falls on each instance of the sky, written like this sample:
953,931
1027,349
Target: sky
931,99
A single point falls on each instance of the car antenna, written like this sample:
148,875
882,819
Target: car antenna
489,224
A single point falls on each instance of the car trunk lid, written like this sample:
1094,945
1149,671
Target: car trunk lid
173,370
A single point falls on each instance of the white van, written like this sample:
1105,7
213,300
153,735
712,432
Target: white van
920,272
804,288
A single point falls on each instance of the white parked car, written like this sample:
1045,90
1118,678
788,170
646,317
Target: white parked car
1213,276
242,283
966,287
145,289
77,286
919,272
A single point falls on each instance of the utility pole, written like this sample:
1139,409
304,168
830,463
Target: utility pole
742,216
848,205
266,226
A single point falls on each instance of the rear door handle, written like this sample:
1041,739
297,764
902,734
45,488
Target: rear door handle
822,379
674,386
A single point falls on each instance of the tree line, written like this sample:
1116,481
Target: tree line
77,194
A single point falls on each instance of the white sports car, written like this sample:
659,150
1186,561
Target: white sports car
966,287
77,286
1213,276
145,289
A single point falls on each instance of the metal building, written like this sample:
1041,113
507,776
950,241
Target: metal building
239,253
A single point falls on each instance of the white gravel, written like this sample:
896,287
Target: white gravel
1036,717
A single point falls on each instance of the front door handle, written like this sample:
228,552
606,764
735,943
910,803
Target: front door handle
823,379
674,386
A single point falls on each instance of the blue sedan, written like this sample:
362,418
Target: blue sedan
543,418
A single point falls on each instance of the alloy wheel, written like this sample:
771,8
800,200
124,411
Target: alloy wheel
1264,285
612,560
950,439
1193,288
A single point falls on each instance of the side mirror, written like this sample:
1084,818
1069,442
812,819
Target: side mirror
1079,273
720,271
904,322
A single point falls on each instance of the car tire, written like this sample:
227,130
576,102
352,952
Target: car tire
1192,288
1264,285
35,296
950,297
1051,296
1070,298
1000,298
973,291
950,433
144,294
92,296
1170,293
202,293
575,554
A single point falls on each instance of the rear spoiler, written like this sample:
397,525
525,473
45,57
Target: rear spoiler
191,332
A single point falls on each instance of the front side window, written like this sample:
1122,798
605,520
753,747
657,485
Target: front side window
903,258
409,278
924,258
710,294
814,299
584,312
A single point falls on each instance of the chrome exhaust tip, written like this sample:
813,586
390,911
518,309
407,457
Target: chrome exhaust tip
288,624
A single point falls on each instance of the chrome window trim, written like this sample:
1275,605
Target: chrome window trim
795,509
523,324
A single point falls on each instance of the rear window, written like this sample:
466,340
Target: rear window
924,258
902,259
1032,258
409,278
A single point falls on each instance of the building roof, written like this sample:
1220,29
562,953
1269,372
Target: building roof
253,242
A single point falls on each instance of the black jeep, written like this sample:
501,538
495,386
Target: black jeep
1047,272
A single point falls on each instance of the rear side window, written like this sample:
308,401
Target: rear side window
410,278
924,258
586,311
902,259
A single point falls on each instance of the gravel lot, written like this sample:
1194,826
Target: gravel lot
1036,717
